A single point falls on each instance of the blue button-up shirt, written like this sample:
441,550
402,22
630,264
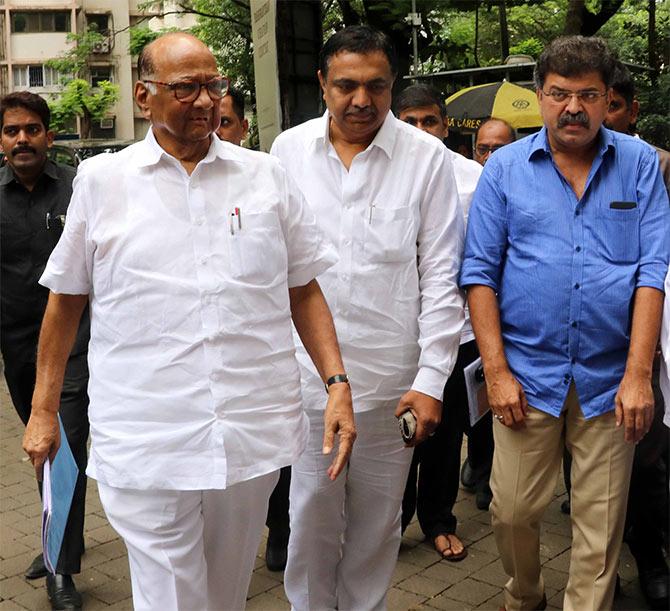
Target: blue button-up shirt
566,269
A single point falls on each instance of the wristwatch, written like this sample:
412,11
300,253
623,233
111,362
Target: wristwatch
336,379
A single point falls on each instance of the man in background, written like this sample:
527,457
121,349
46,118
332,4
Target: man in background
623,112
234,125
647,515
34,197
437,459
491,135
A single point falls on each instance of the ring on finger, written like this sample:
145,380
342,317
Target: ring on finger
498,417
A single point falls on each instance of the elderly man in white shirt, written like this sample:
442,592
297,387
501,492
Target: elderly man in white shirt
195,255
384,193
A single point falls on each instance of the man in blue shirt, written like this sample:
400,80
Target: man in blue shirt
566,253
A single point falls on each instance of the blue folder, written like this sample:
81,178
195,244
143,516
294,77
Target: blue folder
58,483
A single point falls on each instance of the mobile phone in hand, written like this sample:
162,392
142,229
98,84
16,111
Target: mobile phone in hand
407,424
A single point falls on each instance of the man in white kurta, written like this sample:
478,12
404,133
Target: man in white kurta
195,255
384,194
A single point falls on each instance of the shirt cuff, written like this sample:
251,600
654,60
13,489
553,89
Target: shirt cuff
63,283
430,382
303,275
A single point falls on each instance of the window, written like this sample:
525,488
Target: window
99,23
101,73
41,21
36,75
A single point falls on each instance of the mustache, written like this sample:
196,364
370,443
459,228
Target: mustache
23,149
580,118
366,112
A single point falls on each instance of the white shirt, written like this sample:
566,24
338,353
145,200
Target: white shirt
395,220
665,349
193,378
467,173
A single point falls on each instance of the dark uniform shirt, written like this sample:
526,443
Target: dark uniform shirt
31,222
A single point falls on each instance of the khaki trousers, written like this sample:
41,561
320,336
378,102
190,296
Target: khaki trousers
525,470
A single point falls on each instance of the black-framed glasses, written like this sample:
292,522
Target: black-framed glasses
188,91
483,149
586,96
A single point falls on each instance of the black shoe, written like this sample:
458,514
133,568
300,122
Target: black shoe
654,581
36,568
275,556
484,496
62,593
565,507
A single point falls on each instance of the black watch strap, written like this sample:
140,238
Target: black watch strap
336,379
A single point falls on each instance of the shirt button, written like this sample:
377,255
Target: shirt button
573,324
567,376
578,248
576,212
199,220
202,260
577,285
573,361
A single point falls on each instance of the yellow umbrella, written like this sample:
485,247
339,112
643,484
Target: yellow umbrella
517,105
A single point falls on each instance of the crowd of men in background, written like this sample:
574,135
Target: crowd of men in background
244,283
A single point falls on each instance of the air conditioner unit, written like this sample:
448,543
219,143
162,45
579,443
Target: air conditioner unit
107,123
101,47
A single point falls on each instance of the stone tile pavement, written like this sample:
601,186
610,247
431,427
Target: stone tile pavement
420,581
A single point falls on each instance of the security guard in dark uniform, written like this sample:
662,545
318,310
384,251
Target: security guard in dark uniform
34,195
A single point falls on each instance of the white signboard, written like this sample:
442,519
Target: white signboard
263,19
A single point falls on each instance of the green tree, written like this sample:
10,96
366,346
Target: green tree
78,98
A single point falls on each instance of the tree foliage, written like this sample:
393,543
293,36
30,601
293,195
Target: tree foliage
79,99
75,60
140,37
467,33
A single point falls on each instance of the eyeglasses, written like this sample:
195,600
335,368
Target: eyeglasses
188,91
587,96
482,149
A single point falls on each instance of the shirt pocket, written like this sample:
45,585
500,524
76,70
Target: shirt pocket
257,250
389,234
618,234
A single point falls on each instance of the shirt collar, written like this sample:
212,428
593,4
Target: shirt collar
540,143
7,174
151,152
385,138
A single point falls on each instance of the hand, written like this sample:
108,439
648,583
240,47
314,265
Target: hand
41,439
506,398
426,409
634,406
339,419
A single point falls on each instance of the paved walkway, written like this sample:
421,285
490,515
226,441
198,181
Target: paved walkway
421,580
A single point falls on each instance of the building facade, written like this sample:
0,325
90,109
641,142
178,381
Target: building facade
35,31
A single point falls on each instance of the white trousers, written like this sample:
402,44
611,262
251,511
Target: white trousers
190,550
345,534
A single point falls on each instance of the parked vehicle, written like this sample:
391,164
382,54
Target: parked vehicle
73,152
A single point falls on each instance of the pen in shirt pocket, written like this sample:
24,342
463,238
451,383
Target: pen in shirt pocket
372,207
235,215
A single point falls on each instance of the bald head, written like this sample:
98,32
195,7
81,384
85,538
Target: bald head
492,134
165,45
